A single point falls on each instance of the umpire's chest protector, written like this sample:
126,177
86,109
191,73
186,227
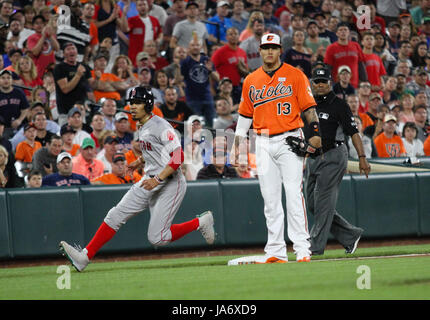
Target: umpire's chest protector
336,118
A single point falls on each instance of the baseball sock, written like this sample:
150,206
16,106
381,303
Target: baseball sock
180,230
103,235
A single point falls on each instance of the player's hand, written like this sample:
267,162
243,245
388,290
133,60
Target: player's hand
364,166
149,184
315,141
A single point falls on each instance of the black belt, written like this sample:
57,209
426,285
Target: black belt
169,177
334,145
278,134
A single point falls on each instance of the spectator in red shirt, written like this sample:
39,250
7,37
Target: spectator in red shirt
230,61
346,52
158,61
27,72
374,66
288,6
141,28
42,45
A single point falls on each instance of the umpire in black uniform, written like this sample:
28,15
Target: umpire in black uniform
325,171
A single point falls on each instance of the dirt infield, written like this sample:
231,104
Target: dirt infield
201,253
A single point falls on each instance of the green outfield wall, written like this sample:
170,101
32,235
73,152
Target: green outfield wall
33,221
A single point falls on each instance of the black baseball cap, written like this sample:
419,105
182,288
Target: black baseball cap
5,71
36,104
119,156
67,129
29,126
321,73
68,43
110,139
311,22
191,3
13,51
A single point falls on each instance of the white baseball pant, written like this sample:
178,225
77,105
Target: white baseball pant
163,203
277,166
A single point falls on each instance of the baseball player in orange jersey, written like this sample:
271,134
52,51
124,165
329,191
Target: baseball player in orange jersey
273,98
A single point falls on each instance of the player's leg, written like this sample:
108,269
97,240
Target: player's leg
163,208
291,167
133,202
269,178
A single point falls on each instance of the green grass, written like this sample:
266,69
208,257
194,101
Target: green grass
211,278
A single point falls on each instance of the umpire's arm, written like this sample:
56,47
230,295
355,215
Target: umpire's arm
313,122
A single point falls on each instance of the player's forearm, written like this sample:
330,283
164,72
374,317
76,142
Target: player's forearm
311,115
176,159
167,171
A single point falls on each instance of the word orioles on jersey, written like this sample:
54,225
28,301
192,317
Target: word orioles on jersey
276,102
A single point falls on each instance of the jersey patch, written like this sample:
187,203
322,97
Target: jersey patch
170,135
323,115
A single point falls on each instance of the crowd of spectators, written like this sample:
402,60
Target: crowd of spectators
67,66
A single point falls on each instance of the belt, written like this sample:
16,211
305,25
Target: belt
334,145
278,134
168,178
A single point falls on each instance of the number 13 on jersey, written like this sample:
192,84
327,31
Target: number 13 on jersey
283,108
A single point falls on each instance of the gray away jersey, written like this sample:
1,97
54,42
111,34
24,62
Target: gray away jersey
157,140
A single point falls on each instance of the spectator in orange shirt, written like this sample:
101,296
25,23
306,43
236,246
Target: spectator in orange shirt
388,144
427,146
86,163
67,134
26,149
118,175
113,84
88,11
131,156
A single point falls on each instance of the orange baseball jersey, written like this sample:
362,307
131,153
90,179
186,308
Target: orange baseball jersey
24,152
365,120
275,103
74,150
111,178
131,157
107,95
389,148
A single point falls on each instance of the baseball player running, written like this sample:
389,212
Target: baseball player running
273,98
161,189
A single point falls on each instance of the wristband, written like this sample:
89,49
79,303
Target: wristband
315,128
362,156
159,180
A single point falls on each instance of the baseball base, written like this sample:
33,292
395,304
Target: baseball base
246,260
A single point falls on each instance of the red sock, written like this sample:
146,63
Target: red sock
103,235
180,230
